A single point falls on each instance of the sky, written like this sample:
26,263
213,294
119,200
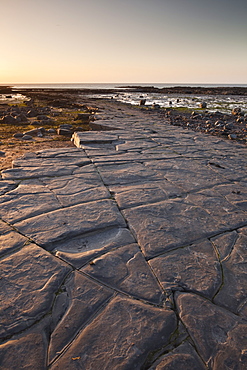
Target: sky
130,41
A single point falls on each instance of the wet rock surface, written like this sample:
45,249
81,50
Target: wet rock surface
127,252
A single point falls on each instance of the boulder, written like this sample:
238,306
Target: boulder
9,120
34,132
64,132
142,101
18,135
203,105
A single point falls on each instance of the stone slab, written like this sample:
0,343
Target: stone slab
126,270
189,174
219,336
27,350
36,172
120,337
29,199
10,240
183,357
93,137
47,161
68,222
84,296
126,173
80,250
128,196
232,294
170,224
194,269
28,290
6,186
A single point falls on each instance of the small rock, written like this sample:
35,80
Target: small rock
51,131
66,126
64,132
2,154
203,105
236,111
18,135
27,137
232,136
35,123
34,132
142,101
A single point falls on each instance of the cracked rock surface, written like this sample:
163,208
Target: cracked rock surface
127,252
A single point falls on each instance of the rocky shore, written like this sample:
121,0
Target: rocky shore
48,117
127,251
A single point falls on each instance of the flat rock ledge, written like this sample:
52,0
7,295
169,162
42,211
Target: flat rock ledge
126,252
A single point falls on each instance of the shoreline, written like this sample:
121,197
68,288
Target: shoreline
232,127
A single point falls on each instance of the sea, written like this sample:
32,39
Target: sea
214,103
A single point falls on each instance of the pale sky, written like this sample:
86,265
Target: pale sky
135,41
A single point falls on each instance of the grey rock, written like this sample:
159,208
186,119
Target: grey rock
6,186
203,105
126,270
2,154
28,290
34,132
217,206
219,335
27,137
225,244
64,132
232,136
66,126
194,268
128,196
85,296
49,162
80,250
51,131
53,226
183,357
27,350
127,173
18,135
121,337
9,120
232,294
36,172
170,224
80,138
21,203
10,240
